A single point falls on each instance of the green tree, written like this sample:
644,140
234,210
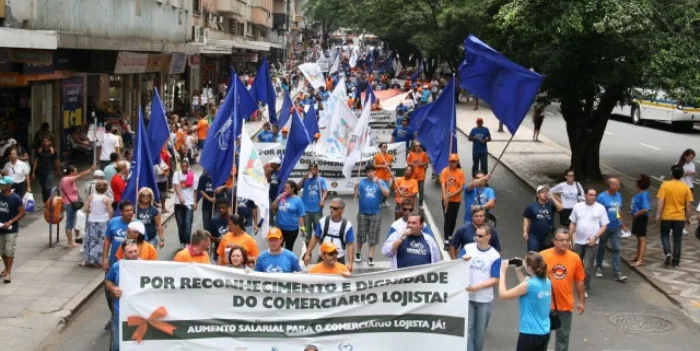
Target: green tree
330,14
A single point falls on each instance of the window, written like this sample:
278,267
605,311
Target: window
231,26
195,6
240,29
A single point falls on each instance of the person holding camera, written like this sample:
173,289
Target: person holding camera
538,219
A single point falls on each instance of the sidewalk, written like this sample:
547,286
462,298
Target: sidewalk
47,283
544,162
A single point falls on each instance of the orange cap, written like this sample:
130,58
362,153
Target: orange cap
328,247
454,157
285,130
274,233
317,136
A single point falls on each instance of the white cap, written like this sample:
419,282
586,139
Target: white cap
542,187
98,173
138,227
276,160
11,141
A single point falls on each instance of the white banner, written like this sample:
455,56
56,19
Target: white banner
324,63
252,183
332,168
313,74
183,306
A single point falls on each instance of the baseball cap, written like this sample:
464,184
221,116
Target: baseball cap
138,227
98,173
11,141
454,157
276,160
328,247
6,180
274,233
542,187
285,130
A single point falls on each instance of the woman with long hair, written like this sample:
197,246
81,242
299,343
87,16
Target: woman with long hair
147,213
686,161
569,193
71,199
19,171
641,206
290,214
118,182
534,294
99,211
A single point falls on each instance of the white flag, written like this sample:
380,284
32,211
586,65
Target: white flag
353,59
336,65
252,183
336,136
358,139
339,96
312,73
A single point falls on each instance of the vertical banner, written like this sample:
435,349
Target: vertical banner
182,306
71,107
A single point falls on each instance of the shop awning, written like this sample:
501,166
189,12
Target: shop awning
28,39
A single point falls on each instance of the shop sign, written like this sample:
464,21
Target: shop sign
244,57
27,56
158,63
71,107
177,63
37,68
18,80
130,63
195,61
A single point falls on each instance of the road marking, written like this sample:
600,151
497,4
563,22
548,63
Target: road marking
551,113
657,178
608,133
378,265
650,146
696,181
438,235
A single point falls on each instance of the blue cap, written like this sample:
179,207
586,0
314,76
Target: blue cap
6,180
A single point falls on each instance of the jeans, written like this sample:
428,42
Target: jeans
536,243
421,184
183,217
115,332
479,316
563,333
677,228
615,236
46,182
480,162
587,254
450,219
310,222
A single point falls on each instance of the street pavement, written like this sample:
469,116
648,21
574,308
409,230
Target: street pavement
632,149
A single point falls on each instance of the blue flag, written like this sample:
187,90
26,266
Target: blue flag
505,86
286,107
263,90
296,145
435,125
369,96
217,156
417,73
142,172
158,132
311,122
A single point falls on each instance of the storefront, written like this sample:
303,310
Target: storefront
174,94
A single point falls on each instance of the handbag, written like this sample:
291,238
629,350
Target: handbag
78,204
554,319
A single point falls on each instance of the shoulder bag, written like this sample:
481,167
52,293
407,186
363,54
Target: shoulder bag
554,320
78,204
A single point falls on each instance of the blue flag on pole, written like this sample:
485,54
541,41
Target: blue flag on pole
311,122
217,156
142,172
286,107
417,73
263,90
508,88
369,95
158,131
296,145
435,124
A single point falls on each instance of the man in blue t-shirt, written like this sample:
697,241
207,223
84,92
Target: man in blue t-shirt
272,173
412,247
478,195
369,191
115,234
11,211
611,199
403,133
314,193
218,225
131,252
277,259
466,233
480,135
205,192
265,135
538,219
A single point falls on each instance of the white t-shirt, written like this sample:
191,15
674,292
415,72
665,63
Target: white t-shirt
109,145
588,220
333,234
159,171
18,172
483,266
187,193
570,194
688,180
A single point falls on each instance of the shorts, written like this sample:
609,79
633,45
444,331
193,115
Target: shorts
7,244
163,189
368,226
639,226
71,214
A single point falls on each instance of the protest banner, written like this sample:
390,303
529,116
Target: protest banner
186,306
312,73
382,124
332,168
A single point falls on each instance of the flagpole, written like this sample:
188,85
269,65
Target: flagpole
498,160
234,203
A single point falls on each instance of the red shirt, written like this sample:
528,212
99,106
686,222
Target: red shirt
165,156
118,186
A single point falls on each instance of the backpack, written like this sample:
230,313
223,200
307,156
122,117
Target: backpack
341,232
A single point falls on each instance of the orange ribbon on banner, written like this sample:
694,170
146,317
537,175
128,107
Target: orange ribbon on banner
142,324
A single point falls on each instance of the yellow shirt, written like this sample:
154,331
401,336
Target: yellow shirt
676,196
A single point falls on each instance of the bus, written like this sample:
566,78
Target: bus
656,105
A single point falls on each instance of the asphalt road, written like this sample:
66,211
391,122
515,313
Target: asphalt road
632,149
594,330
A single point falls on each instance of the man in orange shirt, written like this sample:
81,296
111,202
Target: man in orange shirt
136,231
196,251
452,183
418,159
330,264
237,236
202,129
382,164
565,271
406,188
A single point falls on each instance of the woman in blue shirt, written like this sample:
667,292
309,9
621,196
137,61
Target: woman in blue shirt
290,214
640,217
534,294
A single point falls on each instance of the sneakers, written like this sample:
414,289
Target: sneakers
667,261
370,261
585,294
620,278
447,245
598,273
358,257
685,232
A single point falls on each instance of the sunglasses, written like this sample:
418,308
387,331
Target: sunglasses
332,254
480,236
336,208
407,209
131,241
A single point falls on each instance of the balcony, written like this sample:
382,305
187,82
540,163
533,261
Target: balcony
263,4
261,17
231,7
280,21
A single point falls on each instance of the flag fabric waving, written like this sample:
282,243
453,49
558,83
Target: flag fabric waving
263,91
311,121
336,65
218,152
369,96
417,73
158,131
508,88
284,112
252,183
358,139
297,142
435,125
142,172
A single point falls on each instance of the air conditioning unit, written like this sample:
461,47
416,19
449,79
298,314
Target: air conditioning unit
203,35
221,19
195,33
